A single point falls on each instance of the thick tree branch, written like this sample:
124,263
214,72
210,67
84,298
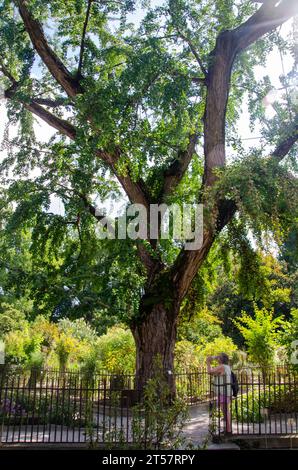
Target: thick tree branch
188,262
266,19
175,172
228,45
135,190
285,145
51,103
61,125
46,53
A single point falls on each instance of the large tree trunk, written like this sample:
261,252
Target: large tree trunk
155,337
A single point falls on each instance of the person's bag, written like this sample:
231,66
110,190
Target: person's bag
234,384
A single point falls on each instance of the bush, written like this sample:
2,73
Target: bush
21,346
14,348
218,345
116,351
78,329
289,340
24,409
66,349
186,356
261,335
11,319
276,400
47,330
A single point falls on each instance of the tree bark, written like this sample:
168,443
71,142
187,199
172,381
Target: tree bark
155,338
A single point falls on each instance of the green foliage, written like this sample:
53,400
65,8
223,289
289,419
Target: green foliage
289,249
266,197
252,406
273,287
186,356
43,344
11,319
221,344
65,347
79,329
60,410
190,356
116,351
290,338
261,335
202,327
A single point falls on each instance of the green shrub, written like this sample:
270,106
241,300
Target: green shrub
289,339
78,329
250,406
261,335
66,348
28,407
116,351
11,319
218,345
186,356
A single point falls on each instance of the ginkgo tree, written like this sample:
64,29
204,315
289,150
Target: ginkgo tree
151,110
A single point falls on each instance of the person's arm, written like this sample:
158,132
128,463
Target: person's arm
214,370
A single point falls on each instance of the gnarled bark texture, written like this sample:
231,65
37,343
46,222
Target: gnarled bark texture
155,337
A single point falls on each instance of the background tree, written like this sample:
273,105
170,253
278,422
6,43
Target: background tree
262,336
149,109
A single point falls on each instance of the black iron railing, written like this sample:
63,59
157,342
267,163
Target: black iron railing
266,404
49,406
71,407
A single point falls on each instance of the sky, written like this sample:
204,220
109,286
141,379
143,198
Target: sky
274,68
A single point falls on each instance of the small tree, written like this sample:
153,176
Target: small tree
66,347
11,318
261,335
290,337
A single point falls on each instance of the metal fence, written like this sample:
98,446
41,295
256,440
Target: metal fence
70,407
266,404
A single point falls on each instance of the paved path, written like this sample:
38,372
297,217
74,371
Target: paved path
197,429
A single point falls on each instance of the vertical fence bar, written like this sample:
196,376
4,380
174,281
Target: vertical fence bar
259,404
5,403
10,406
56,415
274,401
279,400
74,413
80,407
45,409
104,409
51,407
16,415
